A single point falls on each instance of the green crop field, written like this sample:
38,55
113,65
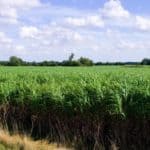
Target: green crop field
61,102
98,90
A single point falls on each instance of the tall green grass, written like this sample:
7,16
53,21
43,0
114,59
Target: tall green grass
101,91
75,104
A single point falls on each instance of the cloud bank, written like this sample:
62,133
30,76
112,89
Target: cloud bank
35,30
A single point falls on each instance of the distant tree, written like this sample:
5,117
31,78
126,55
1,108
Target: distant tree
99,63
70,63
3,63
15,61
145,61
71,57
75,63
85,61
48,63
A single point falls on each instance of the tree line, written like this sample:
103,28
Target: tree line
16,61
82,61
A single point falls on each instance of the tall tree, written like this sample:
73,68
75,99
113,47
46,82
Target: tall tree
86,61
15,61
71,57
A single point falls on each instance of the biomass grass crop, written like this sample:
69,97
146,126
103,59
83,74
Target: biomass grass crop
73,105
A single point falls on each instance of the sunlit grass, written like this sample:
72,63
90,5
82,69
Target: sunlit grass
22,142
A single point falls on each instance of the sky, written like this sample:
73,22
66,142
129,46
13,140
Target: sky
102,30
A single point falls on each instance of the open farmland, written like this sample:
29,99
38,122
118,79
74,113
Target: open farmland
85,107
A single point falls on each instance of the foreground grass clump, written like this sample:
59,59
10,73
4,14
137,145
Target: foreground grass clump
89,108
22,142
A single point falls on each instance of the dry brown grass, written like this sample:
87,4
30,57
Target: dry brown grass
20,142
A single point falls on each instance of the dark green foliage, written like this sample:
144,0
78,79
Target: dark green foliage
15,61
86,61
145,61
71,63
82,61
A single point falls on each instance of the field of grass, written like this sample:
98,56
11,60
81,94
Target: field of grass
75,104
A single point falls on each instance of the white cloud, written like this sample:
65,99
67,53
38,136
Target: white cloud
143,23
76,21
8,12
49,36
8,47
20,3
9,9
111,14
29,32
4,39
114,9
52,32
20,47
19,50
91,20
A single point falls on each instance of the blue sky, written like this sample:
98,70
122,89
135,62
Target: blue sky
103,30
